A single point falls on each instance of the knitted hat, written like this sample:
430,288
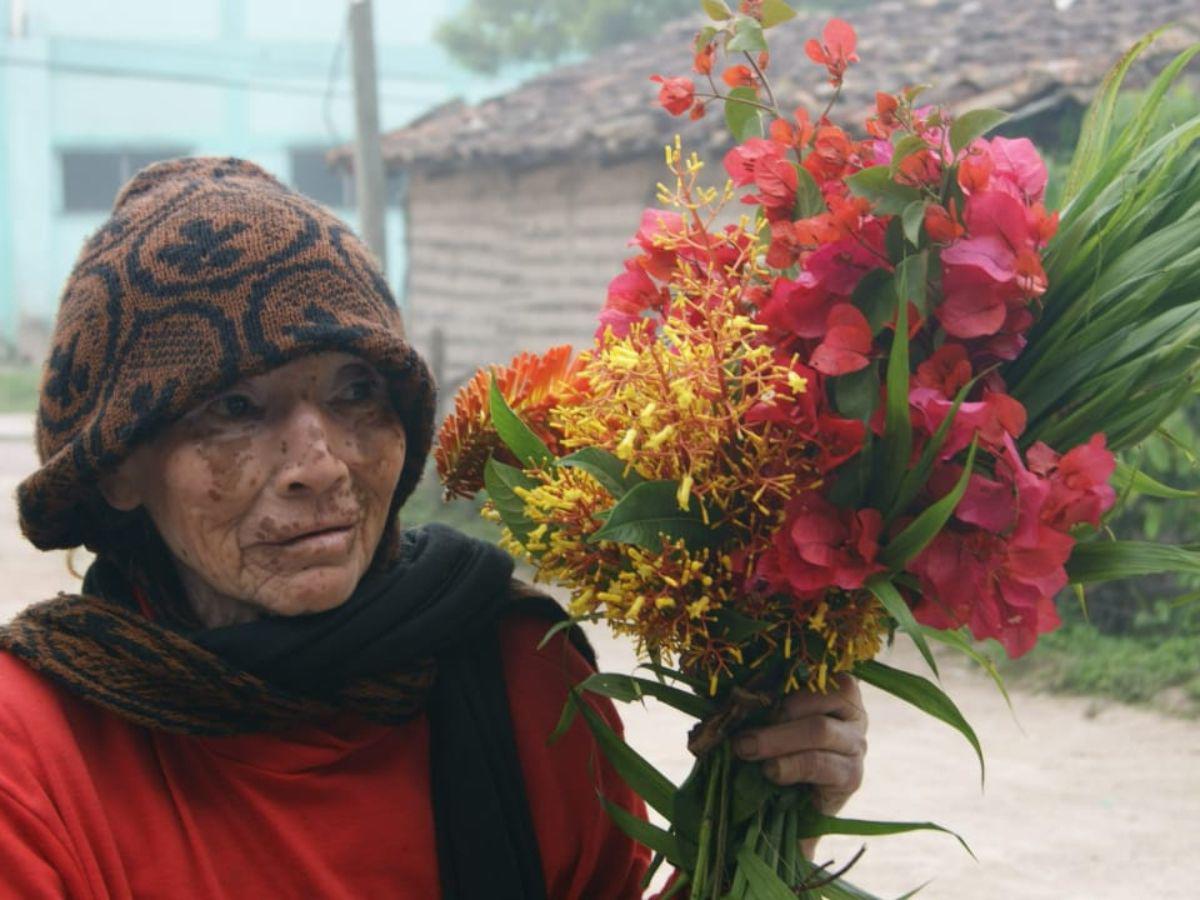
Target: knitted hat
208,271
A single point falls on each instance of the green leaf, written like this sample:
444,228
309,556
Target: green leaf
809,200
515,434
605,468
816,825
1127,477
973,124
500,479
960,642
909,281
743,118
764,883
645,780
696,684
751,790
916,477
717,10
891,600
647,835
704,38
747,36
876,184
649,513
921,530
875,296
912,219
629,688
775,12
1113,560
856,394
903,149
923,694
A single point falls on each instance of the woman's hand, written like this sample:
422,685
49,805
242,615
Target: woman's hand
818,739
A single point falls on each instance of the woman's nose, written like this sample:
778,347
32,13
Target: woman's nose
310,463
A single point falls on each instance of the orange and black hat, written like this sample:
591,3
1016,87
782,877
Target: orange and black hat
208,271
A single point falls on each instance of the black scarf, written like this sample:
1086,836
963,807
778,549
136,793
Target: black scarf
420,636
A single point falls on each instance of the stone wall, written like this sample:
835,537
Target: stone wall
502,261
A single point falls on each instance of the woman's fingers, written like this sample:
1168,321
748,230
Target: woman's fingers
817,739
814,732
834,775
844,701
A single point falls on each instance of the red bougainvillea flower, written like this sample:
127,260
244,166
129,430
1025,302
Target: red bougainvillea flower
1000,588
659,227
820,546
794,134
941,223
847,343
676,94
739,76
993,418
835,50
531,384
703,60
1079,488
630,294
1000,577
742,161
946,370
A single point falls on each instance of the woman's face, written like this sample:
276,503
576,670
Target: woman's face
274,494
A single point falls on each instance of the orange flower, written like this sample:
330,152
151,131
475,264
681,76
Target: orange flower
530,384
835,50
738,76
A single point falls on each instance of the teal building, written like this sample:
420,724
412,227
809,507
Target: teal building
91,90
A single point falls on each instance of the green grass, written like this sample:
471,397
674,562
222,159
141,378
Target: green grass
19,389
1152,665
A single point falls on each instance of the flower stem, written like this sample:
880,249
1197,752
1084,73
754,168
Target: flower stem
704,852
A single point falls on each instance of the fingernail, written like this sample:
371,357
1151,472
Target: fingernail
746,746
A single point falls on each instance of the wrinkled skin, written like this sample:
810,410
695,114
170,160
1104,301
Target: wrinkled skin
273,496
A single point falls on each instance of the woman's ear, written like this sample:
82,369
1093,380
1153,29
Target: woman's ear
121,487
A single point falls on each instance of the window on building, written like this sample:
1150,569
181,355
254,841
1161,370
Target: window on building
333,186
91,178
316,179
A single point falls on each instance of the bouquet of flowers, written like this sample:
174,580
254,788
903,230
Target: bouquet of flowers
885,399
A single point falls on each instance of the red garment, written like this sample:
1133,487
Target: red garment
94,807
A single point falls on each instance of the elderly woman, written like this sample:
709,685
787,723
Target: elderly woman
265,687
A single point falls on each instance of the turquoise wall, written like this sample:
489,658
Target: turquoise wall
227,77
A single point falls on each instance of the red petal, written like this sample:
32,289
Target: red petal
839,37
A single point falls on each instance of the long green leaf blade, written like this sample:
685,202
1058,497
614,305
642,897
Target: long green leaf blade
923,694
516,435
890,598
913,539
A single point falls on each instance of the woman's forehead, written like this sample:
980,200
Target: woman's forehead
314,367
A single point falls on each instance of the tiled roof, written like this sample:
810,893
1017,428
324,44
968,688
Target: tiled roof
1019,55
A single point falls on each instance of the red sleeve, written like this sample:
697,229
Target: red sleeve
584,855
37,857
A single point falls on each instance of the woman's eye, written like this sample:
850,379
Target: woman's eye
360,391
234,407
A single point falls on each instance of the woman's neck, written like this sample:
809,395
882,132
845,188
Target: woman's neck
212,608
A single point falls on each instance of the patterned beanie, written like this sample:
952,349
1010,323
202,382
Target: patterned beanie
208,271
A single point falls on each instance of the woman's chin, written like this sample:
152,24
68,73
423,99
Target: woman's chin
314,590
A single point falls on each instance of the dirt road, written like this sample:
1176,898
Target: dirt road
1083,802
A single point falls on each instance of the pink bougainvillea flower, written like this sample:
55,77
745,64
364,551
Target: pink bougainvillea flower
800,307
998,587
1079,488
676,94
946,370
630,294
741,161
835,50
847,343
993,418
820,546
657,224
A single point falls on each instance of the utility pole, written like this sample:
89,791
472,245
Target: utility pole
369,182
